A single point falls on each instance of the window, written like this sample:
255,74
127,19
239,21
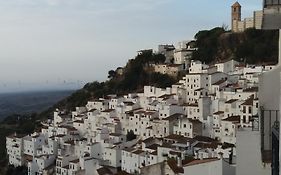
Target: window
250,109
184,125
244,109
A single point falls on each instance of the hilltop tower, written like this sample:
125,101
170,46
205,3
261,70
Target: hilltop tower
235,16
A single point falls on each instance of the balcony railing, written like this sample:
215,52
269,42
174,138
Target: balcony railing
268,121
269,126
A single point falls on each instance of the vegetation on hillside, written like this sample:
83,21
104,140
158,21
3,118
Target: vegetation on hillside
20,124
136,74
252,46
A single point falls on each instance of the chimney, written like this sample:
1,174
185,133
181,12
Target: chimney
179,164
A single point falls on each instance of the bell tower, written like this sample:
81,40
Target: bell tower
235,16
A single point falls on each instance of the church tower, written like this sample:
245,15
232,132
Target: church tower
235,16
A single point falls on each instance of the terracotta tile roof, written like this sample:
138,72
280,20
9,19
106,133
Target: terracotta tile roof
174,167
227,145
69,128
50,167
194,121
132,111
74,161
122,173
200,161
129,149
235,119
154,153
173,117
167,145
219,82
104,171
175,153
251,89
212,145
231,101
166,95
128,103
92,110
173,137
153,146
249,101
204,139
71,142
138,152
150,139
108,110
115,134
28,157
218,112
236,4
196,74
200,89
66,167
78,121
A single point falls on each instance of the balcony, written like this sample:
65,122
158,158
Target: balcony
269,130
275,129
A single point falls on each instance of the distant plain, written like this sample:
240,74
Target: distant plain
29,102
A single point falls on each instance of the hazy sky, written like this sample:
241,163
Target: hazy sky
62,43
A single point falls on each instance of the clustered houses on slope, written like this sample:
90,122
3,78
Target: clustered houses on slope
189,128
177,58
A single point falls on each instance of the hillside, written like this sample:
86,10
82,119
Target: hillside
252,46
136,74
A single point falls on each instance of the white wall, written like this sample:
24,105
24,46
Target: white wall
249,154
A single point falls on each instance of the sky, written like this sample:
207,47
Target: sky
62,44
